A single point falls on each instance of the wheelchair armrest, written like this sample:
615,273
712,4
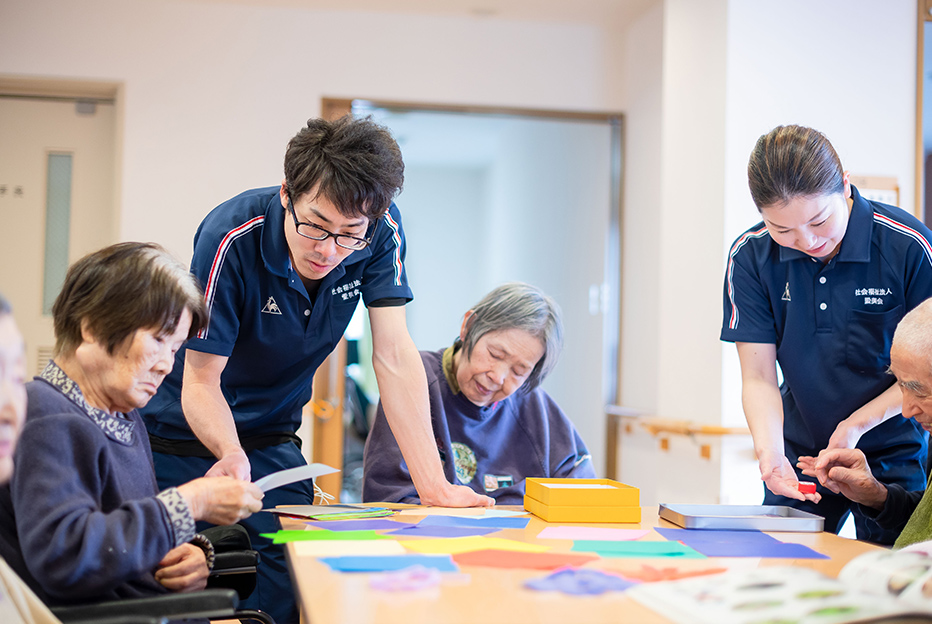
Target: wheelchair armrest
235,561
126,619
209,603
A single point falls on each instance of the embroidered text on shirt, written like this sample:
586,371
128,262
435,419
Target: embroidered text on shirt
348,290
872,296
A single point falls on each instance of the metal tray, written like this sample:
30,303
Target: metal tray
742,517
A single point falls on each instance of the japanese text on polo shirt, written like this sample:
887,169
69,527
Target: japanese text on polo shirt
872,296
348,290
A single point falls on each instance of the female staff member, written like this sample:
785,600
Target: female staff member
819,286
91,522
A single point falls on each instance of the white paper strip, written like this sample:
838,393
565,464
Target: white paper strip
290,475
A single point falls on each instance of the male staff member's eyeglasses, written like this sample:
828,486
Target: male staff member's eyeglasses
315,232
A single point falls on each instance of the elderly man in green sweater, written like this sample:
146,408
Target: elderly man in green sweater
846,471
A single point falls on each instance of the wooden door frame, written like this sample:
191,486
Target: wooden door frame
924,14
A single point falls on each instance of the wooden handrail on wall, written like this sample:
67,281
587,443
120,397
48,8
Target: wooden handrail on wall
656,426
618,417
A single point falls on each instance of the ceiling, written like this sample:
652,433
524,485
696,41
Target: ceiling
592,12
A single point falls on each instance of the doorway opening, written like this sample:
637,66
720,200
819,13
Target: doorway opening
499,195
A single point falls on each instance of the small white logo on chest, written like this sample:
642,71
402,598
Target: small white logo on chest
786,293
271,307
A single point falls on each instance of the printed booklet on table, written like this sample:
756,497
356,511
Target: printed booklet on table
880,586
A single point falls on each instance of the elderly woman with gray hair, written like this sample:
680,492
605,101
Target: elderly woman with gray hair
88,518
493,424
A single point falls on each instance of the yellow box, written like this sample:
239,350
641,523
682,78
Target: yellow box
602,493
590,513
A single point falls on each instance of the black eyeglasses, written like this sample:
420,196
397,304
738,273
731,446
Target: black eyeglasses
315,232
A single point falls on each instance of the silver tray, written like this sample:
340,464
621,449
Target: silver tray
742,517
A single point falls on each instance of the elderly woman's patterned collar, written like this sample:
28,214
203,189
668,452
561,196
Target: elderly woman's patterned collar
114,427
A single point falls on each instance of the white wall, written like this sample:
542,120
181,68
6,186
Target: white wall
641,222
680,257
728,71
692,186
845,67
213,92
640,461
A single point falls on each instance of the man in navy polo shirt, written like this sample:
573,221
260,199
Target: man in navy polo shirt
819,286
283,270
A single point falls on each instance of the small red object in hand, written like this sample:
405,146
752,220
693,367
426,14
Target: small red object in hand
807,487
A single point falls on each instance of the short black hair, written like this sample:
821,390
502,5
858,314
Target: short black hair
354,163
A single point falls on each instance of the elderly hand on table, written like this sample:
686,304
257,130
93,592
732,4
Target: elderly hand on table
846,472
183,569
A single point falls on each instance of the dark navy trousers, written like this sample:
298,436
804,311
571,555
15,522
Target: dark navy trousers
274,592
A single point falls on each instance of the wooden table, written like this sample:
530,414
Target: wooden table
492,595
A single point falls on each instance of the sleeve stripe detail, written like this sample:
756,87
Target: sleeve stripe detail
729,273
396,255
210,289
896,226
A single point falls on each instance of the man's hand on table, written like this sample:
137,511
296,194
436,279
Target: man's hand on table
449,495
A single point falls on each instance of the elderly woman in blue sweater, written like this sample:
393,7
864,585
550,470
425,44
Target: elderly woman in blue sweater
90,520
493,424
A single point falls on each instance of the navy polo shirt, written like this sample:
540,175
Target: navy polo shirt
262,319
832,323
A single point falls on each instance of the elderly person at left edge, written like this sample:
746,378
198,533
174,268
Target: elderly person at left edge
90,521
18,604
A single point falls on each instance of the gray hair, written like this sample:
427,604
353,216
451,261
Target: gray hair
5,307
517,305
914,332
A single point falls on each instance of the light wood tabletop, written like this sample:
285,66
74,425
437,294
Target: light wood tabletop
484,594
